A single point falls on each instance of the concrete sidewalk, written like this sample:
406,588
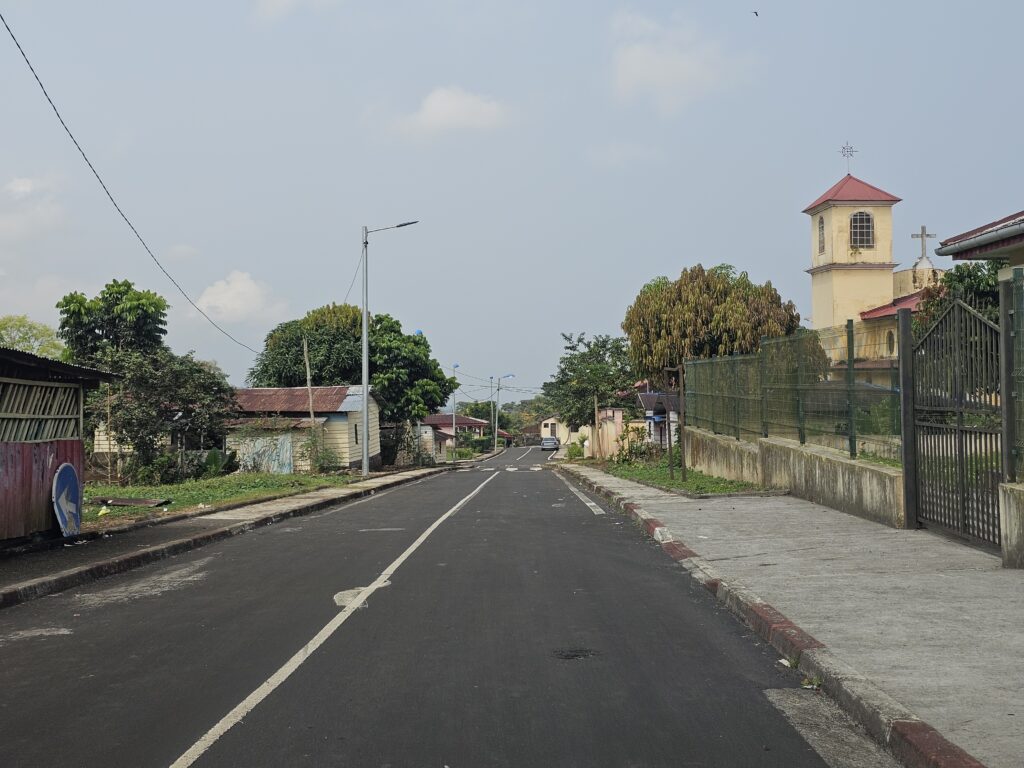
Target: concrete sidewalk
30,575
899,625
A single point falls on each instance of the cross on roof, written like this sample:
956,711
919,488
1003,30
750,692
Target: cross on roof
923,237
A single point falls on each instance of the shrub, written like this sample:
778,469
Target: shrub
575,451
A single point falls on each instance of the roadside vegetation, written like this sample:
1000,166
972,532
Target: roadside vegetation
210,493
637,459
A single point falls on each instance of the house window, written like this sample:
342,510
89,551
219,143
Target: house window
356,426
821,234
862,230
890,342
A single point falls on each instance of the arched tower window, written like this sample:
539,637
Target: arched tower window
821,234
862,230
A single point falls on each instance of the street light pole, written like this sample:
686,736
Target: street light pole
366,341
494,423
455,401
497,409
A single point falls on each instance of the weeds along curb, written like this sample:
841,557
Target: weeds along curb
912,741
73,577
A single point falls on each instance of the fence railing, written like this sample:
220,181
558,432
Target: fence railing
838,387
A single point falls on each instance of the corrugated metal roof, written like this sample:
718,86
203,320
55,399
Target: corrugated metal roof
654,401
445,420
36,366
850,189
911,301
1008,221
290,399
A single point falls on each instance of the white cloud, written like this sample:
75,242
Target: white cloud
670,65
239,297
272,10
451,108
29,210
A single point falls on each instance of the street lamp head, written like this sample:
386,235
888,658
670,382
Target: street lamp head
509,376
407,224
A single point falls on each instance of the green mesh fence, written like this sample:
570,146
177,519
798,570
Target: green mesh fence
836,387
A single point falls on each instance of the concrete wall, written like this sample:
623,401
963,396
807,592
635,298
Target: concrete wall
1011,524
810,472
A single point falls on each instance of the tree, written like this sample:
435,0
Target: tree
976,283
482,410
704,313
407,382
120,318
597,366
18,332
160,393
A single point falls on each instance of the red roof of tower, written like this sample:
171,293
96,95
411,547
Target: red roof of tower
850,189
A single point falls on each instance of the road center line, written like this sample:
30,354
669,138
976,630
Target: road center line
593,507
253,700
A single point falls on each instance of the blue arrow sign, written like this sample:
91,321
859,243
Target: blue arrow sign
67,499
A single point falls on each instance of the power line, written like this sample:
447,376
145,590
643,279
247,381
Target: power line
111,197
354,276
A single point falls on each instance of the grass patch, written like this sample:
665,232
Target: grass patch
656,474
885,461
214,492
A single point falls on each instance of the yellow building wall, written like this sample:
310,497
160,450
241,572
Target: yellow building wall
908,281
355,449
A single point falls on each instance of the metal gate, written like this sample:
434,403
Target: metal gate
958,425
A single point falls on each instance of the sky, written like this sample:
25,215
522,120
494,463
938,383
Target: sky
557,155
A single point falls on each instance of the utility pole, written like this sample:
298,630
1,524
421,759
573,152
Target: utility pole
494,418
309,390
594,436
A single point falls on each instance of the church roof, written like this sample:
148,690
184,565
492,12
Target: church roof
850,189
911,301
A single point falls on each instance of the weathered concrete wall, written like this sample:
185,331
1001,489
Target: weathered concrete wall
811,472
723,456
1011,524
825,476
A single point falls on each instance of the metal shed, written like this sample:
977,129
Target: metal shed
42,405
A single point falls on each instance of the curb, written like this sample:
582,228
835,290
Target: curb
908,738
47,585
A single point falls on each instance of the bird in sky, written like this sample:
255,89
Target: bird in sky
756,14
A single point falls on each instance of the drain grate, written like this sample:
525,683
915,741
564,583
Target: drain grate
572,654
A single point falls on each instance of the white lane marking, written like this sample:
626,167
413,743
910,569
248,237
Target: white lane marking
486,469
379,530
253,700
524,454
536,468
593,507
553,454
511,469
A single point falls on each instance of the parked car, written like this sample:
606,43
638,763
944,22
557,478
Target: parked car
549,443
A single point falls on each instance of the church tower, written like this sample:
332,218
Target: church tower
851,251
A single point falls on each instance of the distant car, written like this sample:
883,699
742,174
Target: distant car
549,444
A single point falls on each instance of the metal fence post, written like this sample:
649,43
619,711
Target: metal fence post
851,398
1007,390
908,428
801,431
734,364
762,385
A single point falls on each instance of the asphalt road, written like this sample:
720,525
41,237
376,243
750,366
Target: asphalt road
524,630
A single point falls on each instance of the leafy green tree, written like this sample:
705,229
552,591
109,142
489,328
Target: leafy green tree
975,283
18,332
121,318
407,382
598,366
704,313
160,393
482,410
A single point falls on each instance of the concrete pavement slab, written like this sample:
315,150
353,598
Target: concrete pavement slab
934,624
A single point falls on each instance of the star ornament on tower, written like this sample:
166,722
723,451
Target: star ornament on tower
848,152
